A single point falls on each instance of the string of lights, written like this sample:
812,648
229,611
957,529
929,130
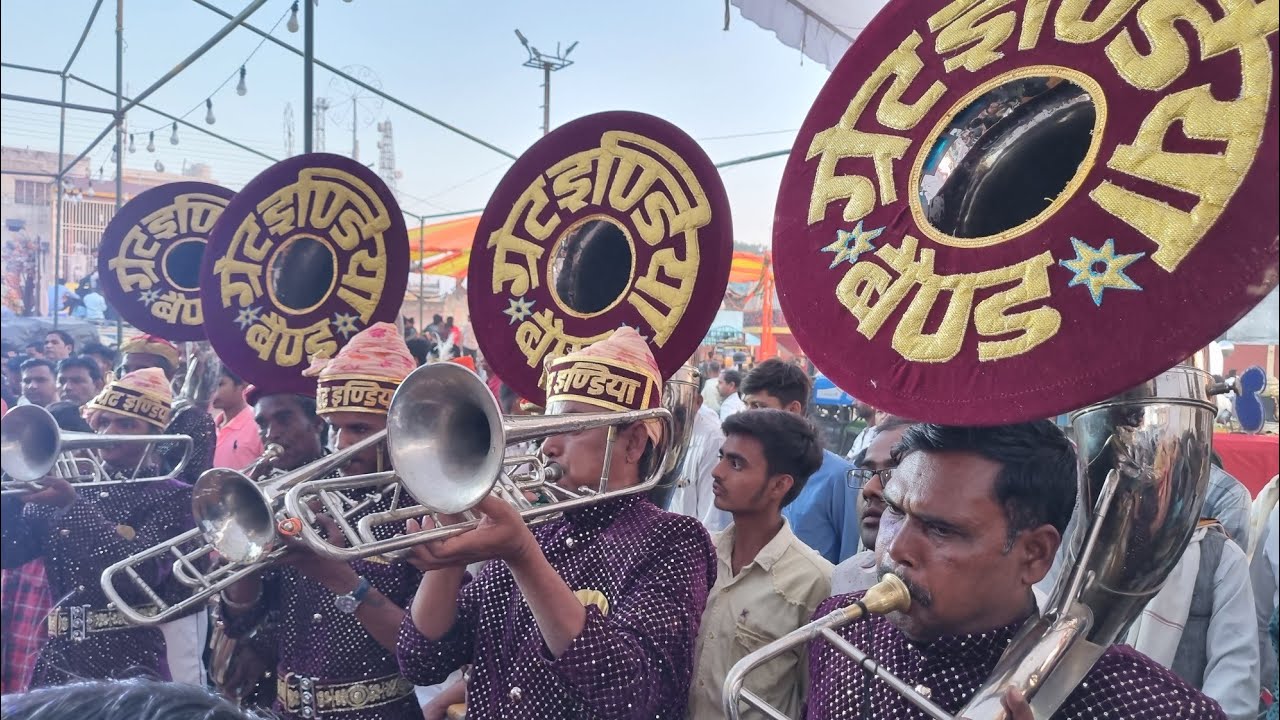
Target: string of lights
242,89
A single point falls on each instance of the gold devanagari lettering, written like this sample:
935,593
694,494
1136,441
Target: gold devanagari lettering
177,308
272,338
523,234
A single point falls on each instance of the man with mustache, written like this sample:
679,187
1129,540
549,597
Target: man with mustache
334,624
973,517
873,466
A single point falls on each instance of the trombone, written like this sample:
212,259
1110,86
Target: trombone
447,436
888,595
32,446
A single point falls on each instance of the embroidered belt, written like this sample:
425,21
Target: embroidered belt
309,697
79,621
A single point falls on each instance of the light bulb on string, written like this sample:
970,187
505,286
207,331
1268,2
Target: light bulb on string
132,149
159,166
173,139
292,25
151,142
241,88
208,115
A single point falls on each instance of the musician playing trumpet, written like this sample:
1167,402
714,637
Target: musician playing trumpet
973,517
592,615
334,624
79,531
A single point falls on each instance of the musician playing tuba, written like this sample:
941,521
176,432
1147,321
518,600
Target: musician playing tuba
333,625
973,517
79,531
593,614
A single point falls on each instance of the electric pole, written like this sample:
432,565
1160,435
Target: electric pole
547,64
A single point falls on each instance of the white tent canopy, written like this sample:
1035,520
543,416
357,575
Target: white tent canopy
821,29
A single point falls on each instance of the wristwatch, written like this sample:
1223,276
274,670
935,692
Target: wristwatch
349,602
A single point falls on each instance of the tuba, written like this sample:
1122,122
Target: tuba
967,235
529,305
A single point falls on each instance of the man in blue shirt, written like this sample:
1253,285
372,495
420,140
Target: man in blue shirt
825,515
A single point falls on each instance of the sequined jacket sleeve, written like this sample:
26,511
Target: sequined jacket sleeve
81,541
428,662
199,426
20,544
631,661
239,624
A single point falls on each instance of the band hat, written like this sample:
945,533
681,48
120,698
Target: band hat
616,374
152,345
142,394
364,374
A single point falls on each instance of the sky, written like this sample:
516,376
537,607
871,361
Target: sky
739,93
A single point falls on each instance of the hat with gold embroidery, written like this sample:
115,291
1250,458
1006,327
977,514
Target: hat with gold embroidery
998,212
364,374
618,373
142,394
152,345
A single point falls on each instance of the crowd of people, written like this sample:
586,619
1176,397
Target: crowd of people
618,609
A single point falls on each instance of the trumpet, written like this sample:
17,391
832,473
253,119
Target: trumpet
888,595
447,437
32,446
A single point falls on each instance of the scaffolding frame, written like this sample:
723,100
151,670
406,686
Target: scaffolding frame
123,104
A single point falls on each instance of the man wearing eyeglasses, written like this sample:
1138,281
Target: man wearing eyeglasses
871,471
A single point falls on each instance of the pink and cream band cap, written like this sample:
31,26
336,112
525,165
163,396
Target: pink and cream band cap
364,374
616,374
152,345
142,394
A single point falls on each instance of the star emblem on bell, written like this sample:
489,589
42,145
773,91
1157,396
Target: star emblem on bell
345,323
850,244
518,309
247,316
149,296
1100,269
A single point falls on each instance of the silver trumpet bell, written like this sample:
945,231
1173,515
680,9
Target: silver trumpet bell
32,446
447,440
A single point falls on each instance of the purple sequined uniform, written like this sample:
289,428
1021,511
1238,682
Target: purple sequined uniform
104,526
655,569
313,640
1123,684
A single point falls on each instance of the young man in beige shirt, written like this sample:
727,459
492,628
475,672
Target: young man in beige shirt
768,582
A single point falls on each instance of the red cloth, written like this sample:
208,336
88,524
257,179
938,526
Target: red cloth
1251,459
24,605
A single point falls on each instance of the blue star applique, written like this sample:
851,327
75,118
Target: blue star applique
1100,269
850,244
345,324
518,309
247,316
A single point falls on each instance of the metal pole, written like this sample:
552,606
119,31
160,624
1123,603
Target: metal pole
105,131
308,75
421,276
30,68
752,158
120,116
182,65
50,103
83,34
57,218
546,98
358,83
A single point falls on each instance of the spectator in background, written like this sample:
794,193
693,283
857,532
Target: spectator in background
104,356
57,296
38,386
410,328
420,348
874,466
434,331
79,380
35,349
58,345
727,386
693,494
238,443
95,306
710,389
825,515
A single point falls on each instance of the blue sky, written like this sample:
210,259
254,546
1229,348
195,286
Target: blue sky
460,61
